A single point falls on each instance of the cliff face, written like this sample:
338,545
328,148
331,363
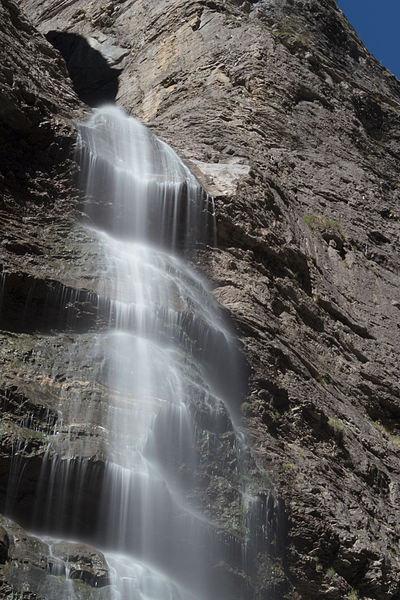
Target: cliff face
294,128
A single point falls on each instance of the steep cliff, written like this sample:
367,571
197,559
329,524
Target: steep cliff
294,128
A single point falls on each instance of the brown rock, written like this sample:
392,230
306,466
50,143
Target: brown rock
295,127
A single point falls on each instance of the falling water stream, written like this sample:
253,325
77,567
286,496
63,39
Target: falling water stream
164,329
170,374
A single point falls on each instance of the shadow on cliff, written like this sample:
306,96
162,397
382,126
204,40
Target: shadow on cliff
95,82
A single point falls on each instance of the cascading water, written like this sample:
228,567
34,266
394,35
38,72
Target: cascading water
167,492
164,329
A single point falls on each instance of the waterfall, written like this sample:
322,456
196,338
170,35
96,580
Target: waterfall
163,330
159,480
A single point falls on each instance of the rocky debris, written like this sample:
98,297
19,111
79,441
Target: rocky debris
295,128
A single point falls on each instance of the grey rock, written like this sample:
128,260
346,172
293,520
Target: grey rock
84,563
30,567
307,265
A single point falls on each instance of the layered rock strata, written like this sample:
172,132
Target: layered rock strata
294,127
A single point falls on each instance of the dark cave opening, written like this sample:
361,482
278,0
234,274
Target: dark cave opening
94,81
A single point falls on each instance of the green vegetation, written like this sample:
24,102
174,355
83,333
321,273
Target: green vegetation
392,108
323,379
289,466
318,565
353,595
331,573
394,439
245,408
80,585
290,27
80,14
336,424
317,222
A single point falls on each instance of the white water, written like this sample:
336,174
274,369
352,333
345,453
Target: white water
163,357
163,328
125,579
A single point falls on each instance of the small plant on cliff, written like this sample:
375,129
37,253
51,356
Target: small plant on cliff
316,222
294,28
331,573
353,595
395,439
80,14
289,466
336,424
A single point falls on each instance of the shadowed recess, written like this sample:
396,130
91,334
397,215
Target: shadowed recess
94,81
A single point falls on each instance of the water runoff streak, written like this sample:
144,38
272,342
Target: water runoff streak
168,373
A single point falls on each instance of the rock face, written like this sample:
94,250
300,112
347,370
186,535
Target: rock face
35,568
294,127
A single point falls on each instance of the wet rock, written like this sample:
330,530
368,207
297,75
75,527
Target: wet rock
37,568
83,562
4,545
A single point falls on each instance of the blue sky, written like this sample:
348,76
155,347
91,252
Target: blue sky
377,24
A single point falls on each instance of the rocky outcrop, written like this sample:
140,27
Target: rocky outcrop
36,109
36,568
294,127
